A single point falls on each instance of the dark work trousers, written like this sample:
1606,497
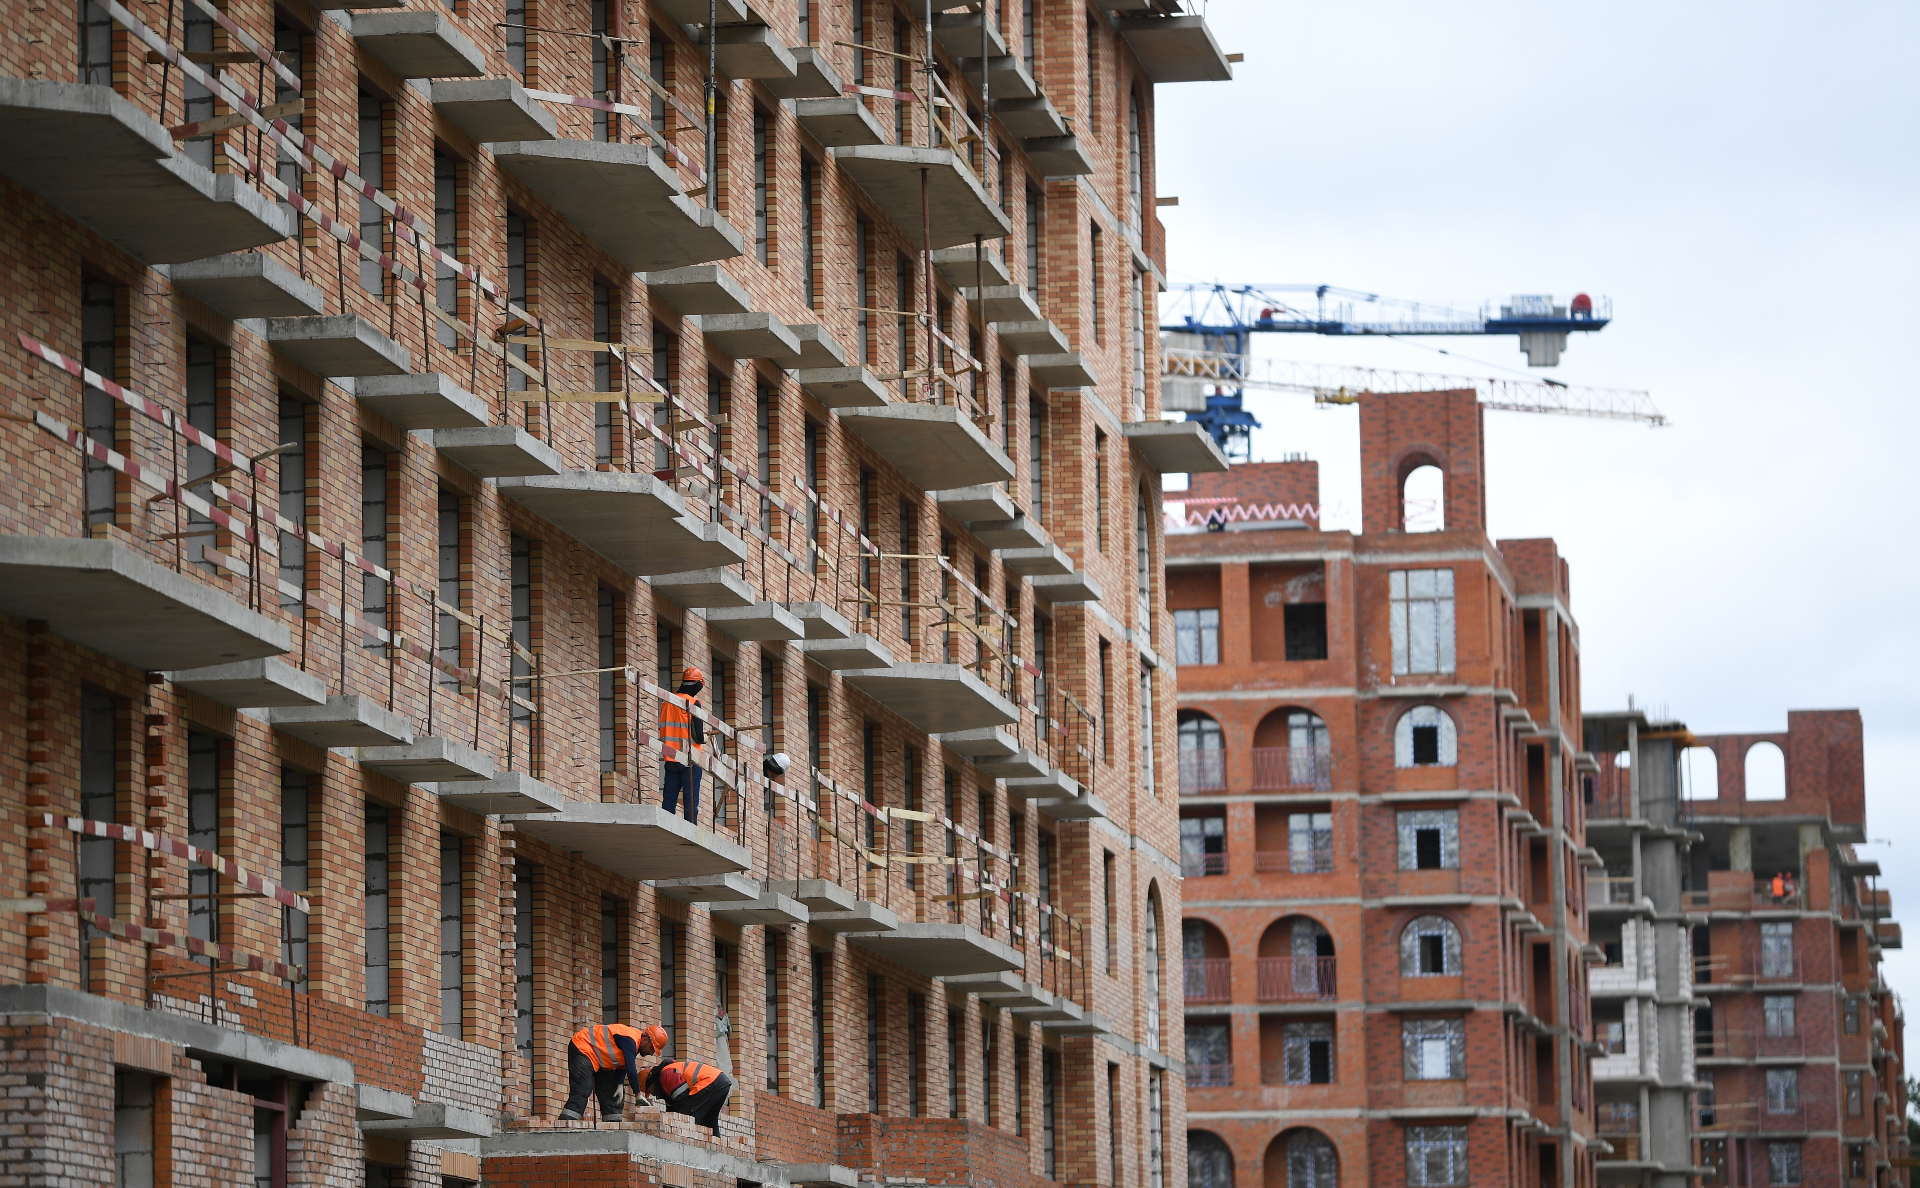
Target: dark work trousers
682,777
583,1078
706,1106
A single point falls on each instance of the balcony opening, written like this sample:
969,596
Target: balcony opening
1297,961
1203,845
1208,962
1292,749
1700,773
1203,756
1766,772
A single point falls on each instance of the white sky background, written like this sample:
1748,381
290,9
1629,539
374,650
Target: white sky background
1741,180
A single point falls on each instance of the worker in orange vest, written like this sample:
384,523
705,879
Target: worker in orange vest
681,735
697,1090
599,1058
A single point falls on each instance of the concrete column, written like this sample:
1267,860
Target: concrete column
1740,848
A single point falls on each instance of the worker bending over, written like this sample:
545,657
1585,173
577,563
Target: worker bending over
599,1058
697,1090
681,735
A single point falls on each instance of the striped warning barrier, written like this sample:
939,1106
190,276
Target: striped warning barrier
160,843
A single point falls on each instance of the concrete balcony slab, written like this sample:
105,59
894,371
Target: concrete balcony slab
816,895
702,588
338,345
731,887
247,285
937,698
375,1104
984,503
635,841
1055,785
1063,370
942,950
428,760
1031,338
751,335
633,520
817,348
1000,984
102,595
935,447
854,652
820,621
1007,76
1019,533
98,158
1050,1008
247,684
772,910
752,51
863,918
1079,1022
1003,303
986,742
1021,764
1066,589
1024,994
493,109
1084,807
346,720
959,267
1176,49
843,387
695,12
499,451
958,206
698,289
1047,560
418,43
623,197
842,122
959,34
820,1175
1035,116
434,1120
427,400
508,792
762,622
1176,447
1058,156
813,77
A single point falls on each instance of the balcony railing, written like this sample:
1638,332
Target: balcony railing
1209,1076
1735,1043
1202,770
1316,859
1292,767
1285,979
1197,866
1603,890
1760,897
1209,978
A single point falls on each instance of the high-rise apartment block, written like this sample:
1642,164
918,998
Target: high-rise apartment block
400,399
1443,928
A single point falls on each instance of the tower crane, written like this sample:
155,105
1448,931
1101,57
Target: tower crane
1202,322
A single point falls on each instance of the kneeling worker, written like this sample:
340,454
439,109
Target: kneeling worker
599,1057
697,1090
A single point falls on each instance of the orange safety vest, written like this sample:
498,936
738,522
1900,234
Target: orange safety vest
694,1075
597,1042
675,727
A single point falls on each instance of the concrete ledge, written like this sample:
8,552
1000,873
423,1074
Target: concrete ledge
1176,447
1019,533
942,950
840,122
1028,118
935,447
1084,807
337,345
1022,764
499,452
762,621
694,12
436,1120
1007,76
816,895
772,910
820,621
1066,589
1058,156
418,43
247,684
957,264
1080,1022
635,841
843,387
732,887
817,348
623,197
813,77
493,109
428,760
102,595
1045,561
821,1175
985,742
865,917
1004,303
1055,785
346,720
722,589
985,502
1063,370
633,520
958,206
247,285
1026,996
853,652
569,1143
1029,339
1176,49
508,792
960,35
426,400
201,1040
698,289
936,698
751,335
381,1105
751,51
1001,983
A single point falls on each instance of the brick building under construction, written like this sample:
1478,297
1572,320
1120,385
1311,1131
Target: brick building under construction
397,400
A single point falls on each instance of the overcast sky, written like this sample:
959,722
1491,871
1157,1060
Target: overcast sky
1741,180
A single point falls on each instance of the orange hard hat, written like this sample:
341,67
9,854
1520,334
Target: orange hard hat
690,673
657,1036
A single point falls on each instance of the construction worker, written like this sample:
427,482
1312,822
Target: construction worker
697,1090
597,1060
681,735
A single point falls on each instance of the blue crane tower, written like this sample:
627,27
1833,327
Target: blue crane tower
1217,320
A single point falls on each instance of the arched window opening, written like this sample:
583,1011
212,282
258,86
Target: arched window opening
1203,756
1425,737
1291,749
1700,773
1423,500
1429,948
1308,1158
1296,961
1152,986
1766,772
1209,1162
